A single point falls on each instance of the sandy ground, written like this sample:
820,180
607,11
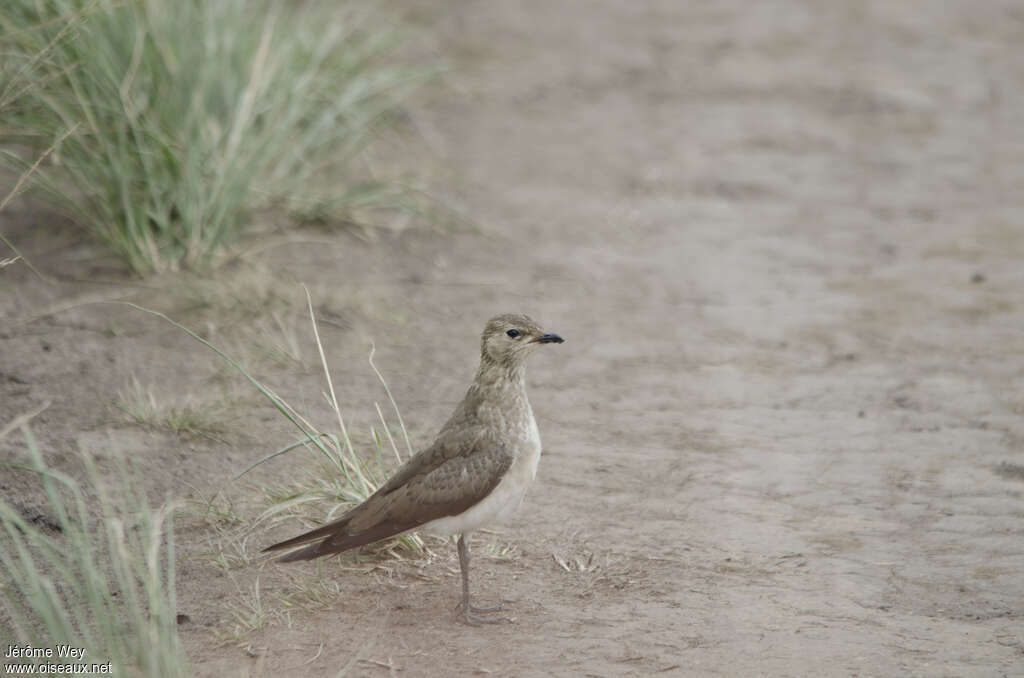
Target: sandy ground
783,241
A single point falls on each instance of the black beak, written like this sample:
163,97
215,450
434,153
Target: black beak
549,339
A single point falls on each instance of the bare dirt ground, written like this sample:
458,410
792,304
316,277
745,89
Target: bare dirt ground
784,243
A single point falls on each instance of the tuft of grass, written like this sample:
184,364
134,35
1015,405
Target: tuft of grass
341,477
248,613
103,583
277,340
251,609
141,406
172,120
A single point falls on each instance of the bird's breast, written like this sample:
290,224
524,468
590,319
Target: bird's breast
518,429
530,452
516,426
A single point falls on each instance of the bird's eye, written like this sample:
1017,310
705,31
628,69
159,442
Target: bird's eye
513,333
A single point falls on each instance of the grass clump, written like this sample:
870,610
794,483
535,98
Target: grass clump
175,119
342,478
103,583
141,406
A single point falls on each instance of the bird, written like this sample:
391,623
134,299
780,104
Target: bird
475,473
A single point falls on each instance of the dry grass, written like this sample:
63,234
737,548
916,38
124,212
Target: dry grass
339,477
103,583
141,406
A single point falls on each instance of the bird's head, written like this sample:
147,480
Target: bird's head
509,338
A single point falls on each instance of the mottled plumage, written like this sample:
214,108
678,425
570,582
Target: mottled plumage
477,470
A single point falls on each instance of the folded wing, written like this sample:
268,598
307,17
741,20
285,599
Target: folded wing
443,480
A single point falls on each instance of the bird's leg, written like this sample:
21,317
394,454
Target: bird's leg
471,614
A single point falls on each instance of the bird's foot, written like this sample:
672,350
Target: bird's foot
475,615
483,609
477,618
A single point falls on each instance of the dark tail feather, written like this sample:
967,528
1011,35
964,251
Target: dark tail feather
319,533
307,553
332,539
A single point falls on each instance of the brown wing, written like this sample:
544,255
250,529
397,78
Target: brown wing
444,480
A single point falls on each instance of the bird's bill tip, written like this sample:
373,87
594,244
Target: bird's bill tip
549,338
